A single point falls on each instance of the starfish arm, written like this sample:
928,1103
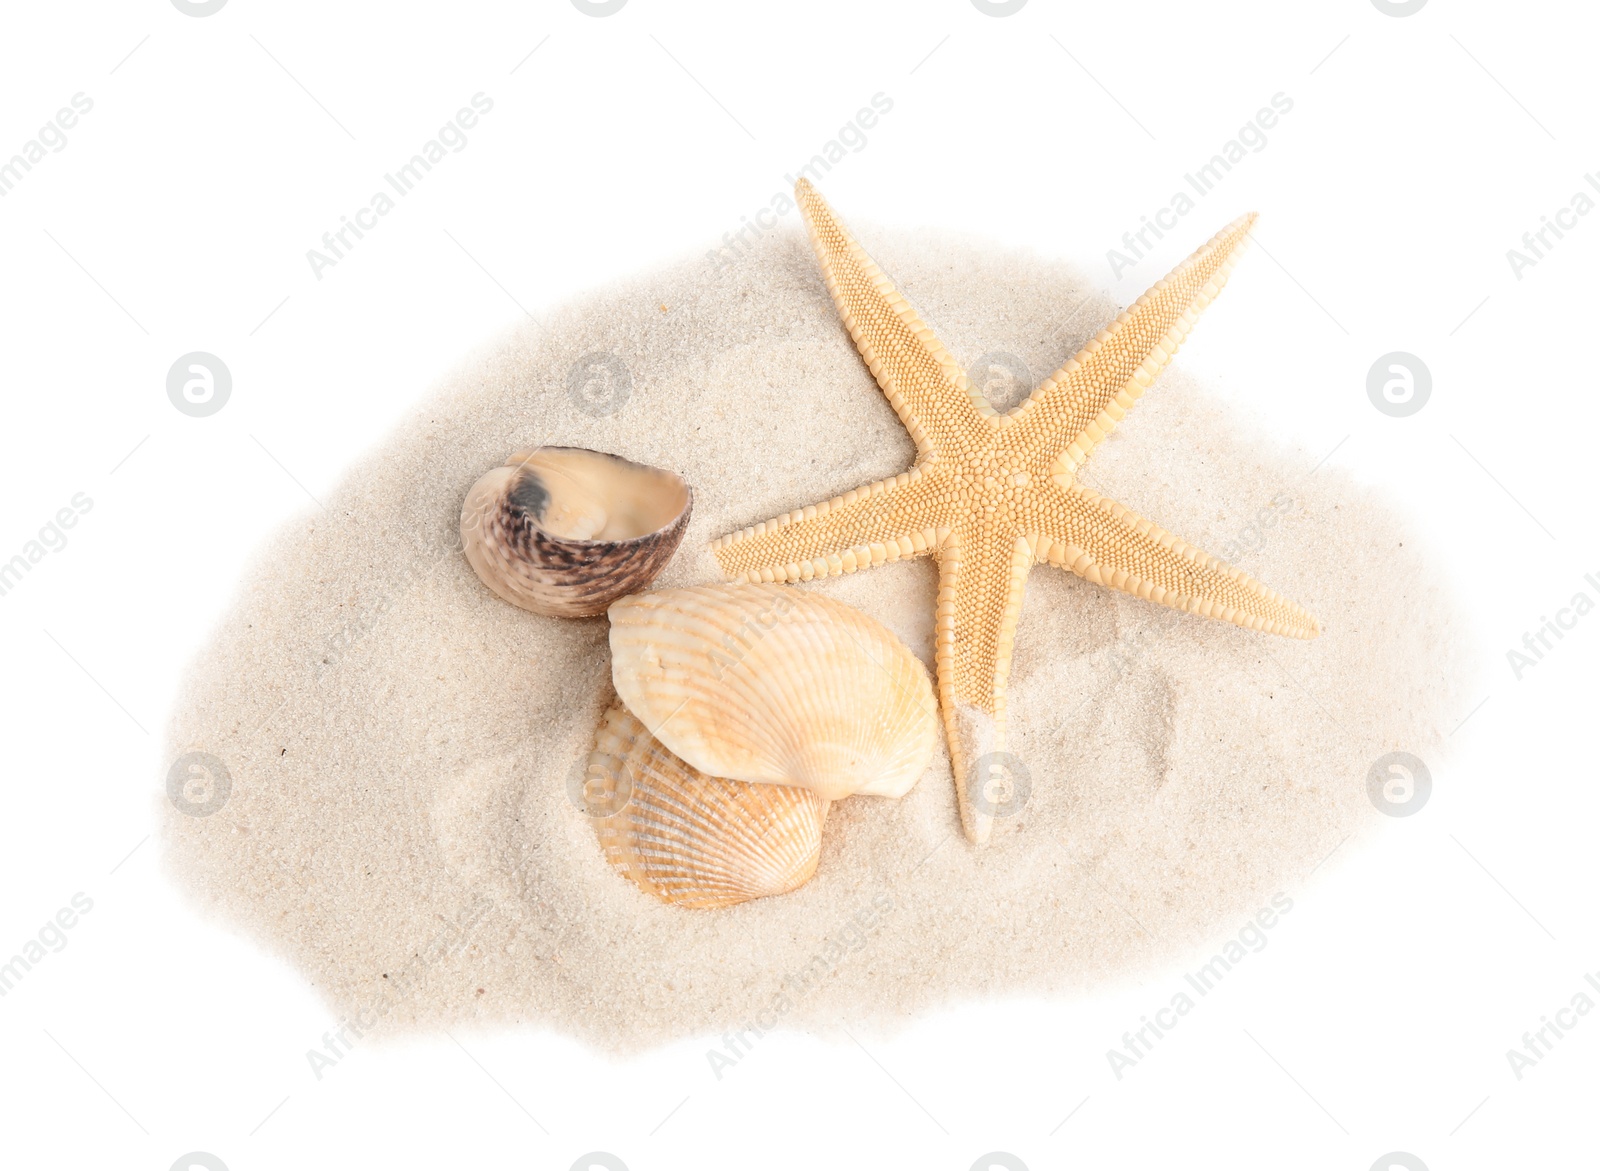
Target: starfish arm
1079,405
923,383
867,526
1100,540
981,583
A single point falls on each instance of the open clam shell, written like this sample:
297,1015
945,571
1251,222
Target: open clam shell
692,839
772,684
567,531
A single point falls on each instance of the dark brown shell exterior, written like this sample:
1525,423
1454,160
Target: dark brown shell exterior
506,542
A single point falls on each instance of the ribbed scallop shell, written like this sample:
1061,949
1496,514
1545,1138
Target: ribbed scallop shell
773,684
691,839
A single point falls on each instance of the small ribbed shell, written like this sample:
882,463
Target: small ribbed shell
691,839
776,685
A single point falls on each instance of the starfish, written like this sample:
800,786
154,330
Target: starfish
992,495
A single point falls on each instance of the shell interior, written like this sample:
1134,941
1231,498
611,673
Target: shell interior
584,495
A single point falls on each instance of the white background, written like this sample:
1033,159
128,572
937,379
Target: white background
219,149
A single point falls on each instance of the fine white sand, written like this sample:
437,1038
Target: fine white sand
402,743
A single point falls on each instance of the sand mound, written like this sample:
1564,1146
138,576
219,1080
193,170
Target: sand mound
403,746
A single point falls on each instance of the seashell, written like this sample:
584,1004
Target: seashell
567,531
691,839
772,684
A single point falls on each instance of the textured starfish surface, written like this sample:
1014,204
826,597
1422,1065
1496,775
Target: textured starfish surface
992,495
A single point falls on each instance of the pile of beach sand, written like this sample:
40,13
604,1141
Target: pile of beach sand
405,749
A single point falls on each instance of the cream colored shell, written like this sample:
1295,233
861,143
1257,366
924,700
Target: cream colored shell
776,685
691,839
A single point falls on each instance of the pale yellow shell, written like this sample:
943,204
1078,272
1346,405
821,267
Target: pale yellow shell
690,839
775,685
